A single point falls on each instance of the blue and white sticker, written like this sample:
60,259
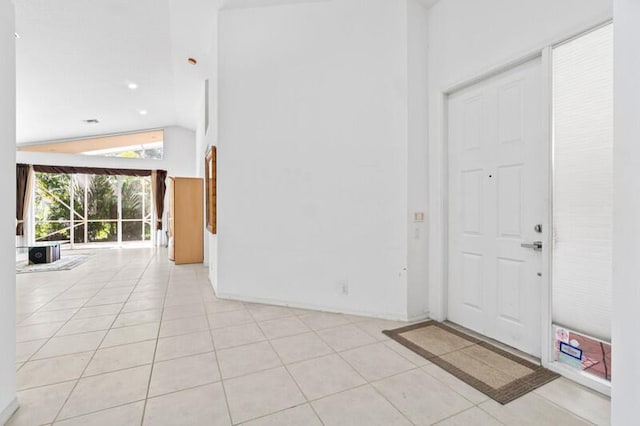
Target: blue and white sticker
572,351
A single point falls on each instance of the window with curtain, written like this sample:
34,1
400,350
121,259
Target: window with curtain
92,208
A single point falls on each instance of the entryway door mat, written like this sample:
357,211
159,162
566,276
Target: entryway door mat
66,262
498,374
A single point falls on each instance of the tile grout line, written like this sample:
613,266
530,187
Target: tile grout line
417,368
74,284
189,356
286,367
97,411
39,310
136,401
213,343
315,332
267,339
282,365
560,407
155,350
30,358
276,412
464,411
54,297
377,391
97,348
100,347
335,352
476,404
64,323
370,383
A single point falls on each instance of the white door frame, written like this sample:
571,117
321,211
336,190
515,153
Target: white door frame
545,169
439,200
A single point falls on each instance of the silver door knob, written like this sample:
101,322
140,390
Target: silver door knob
536,245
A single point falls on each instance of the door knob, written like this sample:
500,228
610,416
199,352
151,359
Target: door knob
536,245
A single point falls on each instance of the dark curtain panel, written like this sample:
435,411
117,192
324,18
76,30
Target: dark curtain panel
22,183
91,171
159,187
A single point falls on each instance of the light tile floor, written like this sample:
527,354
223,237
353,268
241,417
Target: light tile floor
129,339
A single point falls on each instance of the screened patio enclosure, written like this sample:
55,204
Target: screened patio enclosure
92,208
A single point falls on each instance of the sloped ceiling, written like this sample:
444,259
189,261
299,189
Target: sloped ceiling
76,58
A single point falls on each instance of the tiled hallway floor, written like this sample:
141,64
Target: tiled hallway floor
130,339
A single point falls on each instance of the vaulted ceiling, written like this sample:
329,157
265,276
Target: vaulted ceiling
77,59
80,59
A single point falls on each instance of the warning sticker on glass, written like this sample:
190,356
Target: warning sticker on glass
572,351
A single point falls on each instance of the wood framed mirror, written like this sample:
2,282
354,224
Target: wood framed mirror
210,189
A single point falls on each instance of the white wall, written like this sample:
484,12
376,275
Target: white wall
468,38
8,403
200,148
626,233
417,178
313,155
206,138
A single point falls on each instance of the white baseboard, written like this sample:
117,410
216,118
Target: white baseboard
322,308
6,414
422,317
214,285
584,379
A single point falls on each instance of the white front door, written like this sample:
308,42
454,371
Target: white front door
497,196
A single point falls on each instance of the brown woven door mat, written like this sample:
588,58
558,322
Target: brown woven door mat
494,372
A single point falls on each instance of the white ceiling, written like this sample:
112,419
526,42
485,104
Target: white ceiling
75,59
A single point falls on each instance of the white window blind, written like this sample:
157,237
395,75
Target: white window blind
583,183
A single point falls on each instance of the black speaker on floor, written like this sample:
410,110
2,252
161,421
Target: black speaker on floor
39,255
44,253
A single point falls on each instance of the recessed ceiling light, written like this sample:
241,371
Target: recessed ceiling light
192,61
143,112
91,121
17,35
132,86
